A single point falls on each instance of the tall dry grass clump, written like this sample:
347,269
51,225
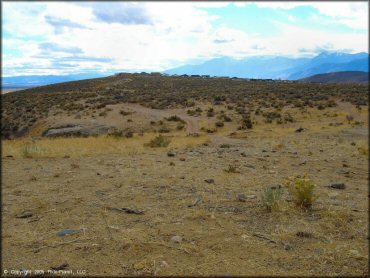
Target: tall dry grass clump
80,146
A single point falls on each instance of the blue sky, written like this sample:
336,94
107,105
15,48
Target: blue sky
76,37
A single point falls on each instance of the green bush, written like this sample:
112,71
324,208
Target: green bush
302,189
271,196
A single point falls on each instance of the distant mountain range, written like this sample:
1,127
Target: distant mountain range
339,77
276,67
39,80
260,67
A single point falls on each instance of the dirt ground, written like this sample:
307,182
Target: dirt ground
147,213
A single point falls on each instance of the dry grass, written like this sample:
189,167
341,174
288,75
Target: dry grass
76,147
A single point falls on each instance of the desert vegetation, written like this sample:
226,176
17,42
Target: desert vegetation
170,175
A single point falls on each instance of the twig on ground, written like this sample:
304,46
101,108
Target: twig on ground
264,237
59,244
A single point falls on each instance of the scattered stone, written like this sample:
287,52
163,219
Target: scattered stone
66,156
164,264
342,171
127,210
345,165
24,214
299,129
172,163
242,198
176,239
288,246
182,159
66,232
337,185
304,234
171,154
209,181
353,144
197,201
61,267
71,130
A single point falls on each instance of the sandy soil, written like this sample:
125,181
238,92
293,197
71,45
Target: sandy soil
189,226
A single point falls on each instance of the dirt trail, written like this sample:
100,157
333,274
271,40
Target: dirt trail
192,125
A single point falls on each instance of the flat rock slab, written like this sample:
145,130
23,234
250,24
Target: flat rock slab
72,130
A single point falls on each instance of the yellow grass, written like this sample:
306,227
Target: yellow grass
76,147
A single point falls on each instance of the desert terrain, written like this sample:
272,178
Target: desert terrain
157,175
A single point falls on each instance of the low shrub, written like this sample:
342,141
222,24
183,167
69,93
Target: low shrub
302,189
159,141
271,197
219,124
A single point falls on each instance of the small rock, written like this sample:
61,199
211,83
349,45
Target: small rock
172,163
182,159
171,154
337,185
61,267
299,129
24,214
353,144
275,186
67,232
164,264
242,198
288,246
304,234
209,181
345,165
343,171
176,239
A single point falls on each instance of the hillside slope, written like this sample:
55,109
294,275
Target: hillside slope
339,77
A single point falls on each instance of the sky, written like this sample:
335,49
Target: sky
57,38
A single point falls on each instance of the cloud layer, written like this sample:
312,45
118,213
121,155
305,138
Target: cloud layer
76,37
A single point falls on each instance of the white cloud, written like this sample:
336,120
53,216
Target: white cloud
353,14
178,32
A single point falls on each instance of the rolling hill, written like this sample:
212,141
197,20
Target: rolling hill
339,77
